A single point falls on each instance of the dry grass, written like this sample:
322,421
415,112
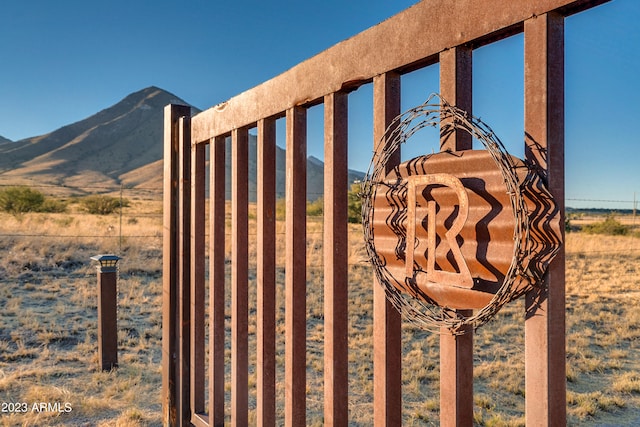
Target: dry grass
49,320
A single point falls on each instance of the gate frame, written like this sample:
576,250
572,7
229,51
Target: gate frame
410,40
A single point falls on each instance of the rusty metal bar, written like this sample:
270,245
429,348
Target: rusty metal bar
336,345
197,278
169,263
456,352
545,369
266,273
456,88
239,276
456,377
296,268
184,269
411,38
216,280
387,331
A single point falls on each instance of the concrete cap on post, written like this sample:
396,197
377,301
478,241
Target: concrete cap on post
108,263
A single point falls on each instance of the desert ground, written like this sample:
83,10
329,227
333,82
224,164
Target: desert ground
48,329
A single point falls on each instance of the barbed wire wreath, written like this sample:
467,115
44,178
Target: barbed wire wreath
428,314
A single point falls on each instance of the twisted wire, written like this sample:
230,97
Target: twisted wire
518,279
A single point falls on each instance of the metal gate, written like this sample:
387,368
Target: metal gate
432,31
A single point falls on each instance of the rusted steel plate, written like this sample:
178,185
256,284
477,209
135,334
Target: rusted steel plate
444,225
413,36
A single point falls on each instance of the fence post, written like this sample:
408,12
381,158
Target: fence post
107,311
170,271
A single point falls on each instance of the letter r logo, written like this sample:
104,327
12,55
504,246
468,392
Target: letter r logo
460,279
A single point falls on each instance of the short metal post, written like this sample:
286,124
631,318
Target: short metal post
107,311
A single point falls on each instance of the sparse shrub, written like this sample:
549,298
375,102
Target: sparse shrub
316,207
281,209
21,199
610,226
355,203
53,206
18,200
568,226
102,205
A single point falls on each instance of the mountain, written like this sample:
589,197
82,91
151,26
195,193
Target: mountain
98,150
4,140
120,145
315,173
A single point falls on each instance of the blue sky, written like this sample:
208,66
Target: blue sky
65,60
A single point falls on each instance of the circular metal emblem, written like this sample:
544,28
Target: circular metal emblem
457,231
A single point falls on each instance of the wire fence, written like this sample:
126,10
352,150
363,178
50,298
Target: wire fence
622,206
122,219
155,193
631,202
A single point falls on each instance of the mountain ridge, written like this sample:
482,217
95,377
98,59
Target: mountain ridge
97,149
121,145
